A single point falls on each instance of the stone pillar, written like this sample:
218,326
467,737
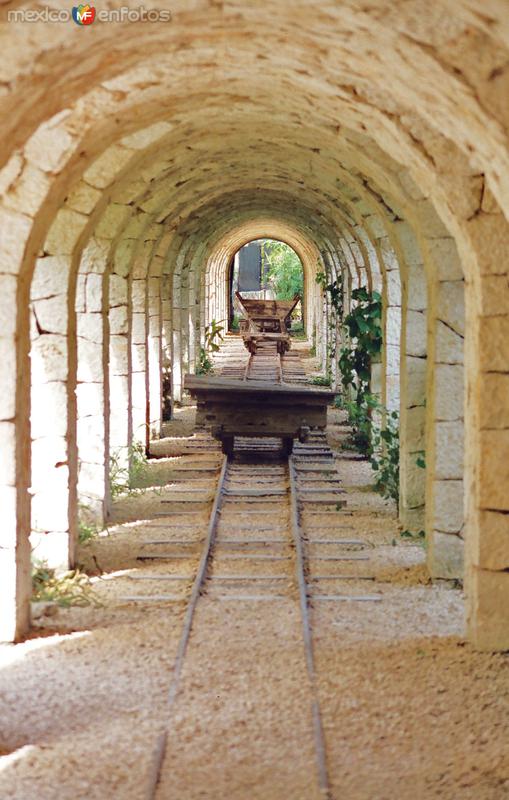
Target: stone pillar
413,360
92,380
487,430
14,444
53,358
445,415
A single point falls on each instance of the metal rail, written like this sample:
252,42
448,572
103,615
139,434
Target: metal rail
323,775
188,623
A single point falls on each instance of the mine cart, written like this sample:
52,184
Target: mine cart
266,320
230,408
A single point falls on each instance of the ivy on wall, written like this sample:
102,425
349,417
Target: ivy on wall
363,340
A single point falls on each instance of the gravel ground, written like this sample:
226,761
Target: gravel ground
409,710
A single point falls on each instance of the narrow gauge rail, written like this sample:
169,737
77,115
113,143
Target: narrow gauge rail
258,549
273,533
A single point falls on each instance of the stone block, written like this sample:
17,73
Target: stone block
417,289
449,345
138,328
415,429
494,470
416,334
445,556
90,362
138,292
492,550
118,355
91,481
118,320
83,198
389,257
29,191
449,391
65,231
494,344
488,610
80,297
446,260
123,256
494,405
90,433
409,246
492,228
52,314
94,292
47,453
448,499
8,503
105,169
50,504
7,378
50,146
392,356
8,451
91,327
393,326
49,358
139,356
8,304
113,220
50,278
412,481
14,232
147,136
94,257
49,409
90,399
416,381
495,295
451,305
118,291
449,437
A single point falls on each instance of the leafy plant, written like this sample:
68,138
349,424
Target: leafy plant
123,474
283,269
213,335
410,535
321,380
86,532
72,588
213,332
137,461
385,457
363,325
334,290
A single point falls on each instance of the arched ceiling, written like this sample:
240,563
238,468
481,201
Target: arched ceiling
309,115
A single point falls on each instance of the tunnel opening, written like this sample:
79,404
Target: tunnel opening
267,269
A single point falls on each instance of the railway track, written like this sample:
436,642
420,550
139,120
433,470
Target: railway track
264,543
233,361
274,535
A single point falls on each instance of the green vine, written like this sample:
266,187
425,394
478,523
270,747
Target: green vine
213,335
364,329
335,291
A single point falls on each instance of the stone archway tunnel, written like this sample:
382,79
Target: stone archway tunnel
138,157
